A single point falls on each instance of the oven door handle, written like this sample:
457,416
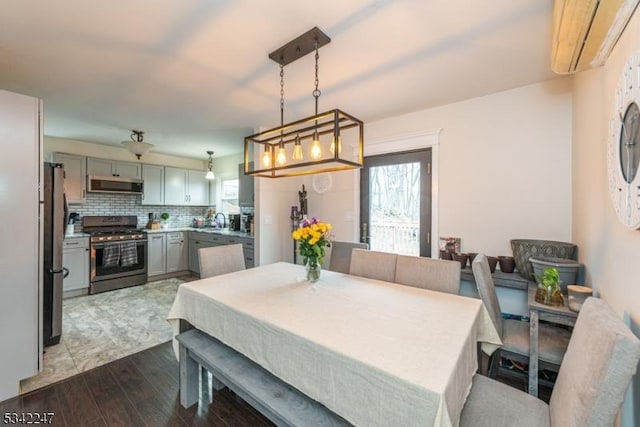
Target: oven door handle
102,245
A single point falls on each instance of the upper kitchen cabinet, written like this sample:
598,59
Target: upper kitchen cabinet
245,190
185,187
153,177
198,188
106,167
75,172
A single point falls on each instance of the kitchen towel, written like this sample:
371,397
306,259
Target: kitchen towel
128,254
111,255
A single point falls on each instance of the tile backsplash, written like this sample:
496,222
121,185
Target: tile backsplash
130,204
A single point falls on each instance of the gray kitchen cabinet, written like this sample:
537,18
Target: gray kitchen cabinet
198,188
245,187
156,254
75,258
199,240
185,187
177,252
247,248
153,177
175,186
249,259
106,167
75,176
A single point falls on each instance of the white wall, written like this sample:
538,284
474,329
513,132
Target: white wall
503,165
608,249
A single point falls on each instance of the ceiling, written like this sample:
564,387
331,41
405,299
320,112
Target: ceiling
195,74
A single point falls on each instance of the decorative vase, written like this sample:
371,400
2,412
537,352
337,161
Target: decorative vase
313,270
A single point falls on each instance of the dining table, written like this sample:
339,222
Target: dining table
376,353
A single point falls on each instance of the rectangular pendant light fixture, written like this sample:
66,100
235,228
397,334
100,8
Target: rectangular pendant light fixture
324,142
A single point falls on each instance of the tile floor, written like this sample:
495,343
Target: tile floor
97,329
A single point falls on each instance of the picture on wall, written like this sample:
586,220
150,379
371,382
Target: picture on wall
450,244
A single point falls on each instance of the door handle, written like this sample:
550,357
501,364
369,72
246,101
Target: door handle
364,236
63,270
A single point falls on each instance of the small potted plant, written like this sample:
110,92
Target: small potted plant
164,216
549,291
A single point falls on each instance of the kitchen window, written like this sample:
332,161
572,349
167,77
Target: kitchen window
229,196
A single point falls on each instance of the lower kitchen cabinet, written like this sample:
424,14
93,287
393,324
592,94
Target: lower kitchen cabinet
168,252
75,258
177,252
156,254
199,240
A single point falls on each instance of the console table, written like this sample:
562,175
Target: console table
560,315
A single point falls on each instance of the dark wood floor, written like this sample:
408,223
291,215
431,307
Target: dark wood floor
139,390
142,390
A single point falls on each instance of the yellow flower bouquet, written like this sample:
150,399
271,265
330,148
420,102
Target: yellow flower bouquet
313,237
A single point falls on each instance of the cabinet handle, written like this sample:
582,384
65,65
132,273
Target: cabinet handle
72,243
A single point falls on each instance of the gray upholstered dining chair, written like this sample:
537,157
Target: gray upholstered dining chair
602,358
427,273
340,257
552,341
216,260
373,264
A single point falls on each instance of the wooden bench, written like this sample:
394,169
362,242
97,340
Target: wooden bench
275,399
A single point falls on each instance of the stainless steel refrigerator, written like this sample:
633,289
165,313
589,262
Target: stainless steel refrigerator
54,222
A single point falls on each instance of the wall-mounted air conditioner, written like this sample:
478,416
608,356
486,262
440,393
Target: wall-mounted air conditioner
585,32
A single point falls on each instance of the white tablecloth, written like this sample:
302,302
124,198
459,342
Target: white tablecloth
376,353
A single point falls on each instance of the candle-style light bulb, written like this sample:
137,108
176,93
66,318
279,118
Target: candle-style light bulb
332,147
297,150
266,157
316,151
281,156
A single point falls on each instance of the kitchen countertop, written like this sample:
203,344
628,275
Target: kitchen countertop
208,230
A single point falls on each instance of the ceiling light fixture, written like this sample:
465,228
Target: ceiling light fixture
210,174
136,145
316,135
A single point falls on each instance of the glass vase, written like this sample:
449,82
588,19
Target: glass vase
551,295
313,270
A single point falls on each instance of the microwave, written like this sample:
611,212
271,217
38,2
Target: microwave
114,184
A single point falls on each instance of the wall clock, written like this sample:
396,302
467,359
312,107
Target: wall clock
321,183
623,152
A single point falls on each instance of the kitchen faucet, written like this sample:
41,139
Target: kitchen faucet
224,219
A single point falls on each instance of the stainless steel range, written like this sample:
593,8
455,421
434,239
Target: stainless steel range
118,252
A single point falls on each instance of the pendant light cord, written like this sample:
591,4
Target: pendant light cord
316,92
281,97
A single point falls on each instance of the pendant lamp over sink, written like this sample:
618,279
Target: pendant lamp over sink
136,145
328,141
210,174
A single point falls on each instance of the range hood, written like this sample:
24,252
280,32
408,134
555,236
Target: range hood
585,32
